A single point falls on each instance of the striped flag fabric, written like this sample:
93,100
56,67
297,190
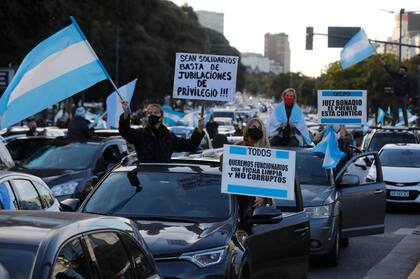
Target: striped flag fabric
170,116
329,147
357,49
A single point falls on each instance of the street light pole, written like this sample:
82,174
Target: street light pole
400,47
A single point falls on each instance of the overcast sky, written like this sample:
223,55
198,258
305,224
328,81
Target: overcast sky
246,22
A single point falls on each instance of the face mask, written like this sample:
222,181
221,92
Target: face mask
288,100
153,120
255,133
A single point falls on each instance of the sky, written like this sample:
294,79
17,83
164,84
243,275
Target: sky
246,22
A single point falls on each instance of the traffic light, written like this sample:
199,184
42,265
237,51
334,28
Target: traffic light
309,38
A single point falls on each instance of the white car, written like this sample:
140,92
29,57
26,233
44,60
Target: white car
401,172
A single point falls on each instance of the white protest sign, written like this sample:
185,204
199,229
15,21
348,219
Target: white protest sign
342,106
205,77
261,172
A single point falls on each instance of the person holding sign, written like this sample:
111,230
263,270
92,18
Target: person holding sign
155,143
286,125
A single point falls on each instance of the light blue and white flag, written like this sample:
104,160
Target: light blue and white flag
329,147
357,49
57,68
113,104
170,116
380,116
367,125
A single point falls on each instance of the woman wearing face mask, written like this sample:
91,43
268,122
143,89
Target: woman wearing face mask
286,125
155,143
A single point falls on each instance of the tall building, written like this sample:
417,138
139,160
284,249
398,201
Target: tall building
277,48
257,63
212,20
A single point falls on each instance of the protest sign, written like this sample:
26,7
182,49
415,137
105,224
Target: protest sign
342,106
261,172
205,77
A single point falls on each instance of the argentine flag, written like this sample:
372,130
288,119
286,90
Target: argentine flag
380,116
356,50
171,117
329,147
114,106
57,68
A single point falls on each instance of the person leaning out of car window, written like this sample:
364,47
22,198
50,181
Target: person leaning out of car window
254,135
154,143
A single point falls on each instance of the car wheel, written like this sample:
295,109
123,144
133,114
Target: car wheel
344,242
333,256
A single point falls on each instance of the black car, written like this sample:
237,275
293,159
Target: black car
72,168
40,245
375,139
193,230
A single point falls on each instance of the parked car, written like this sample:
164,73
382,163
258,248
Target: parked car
19,191
401,171
193,230
43,245
72,168
340,205
378,137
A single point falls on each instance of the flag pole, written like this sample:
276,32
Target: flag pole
96,56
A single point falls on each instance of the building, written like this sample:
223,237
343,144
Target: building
277,48
211,20
257,63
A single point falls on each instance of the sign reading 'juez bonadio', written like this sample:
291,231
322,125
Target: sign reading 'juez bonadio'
205,77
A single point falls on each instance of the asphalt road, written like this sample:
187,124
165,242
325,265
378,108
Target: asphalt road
365,252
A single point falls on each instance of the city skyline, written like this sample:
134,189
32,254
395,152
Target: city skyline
245,24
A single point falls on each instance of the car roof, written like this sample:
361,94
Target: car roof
31,227
4,173
405,146
181,165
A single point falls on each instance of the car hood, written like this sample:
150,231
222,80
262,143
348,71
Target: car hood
56,176
403,175
317,195
171,239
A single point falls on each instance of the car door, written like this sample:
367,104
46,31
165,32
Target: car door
280,250
363,201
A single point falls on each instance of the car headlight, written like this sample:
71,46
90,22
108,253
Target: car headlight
206,257
318,212
65,188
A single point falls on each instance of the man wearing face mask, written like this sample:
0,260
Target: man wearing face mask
155,143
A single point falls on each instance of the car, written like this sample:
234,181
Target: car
19,191
43,245
186,132
340,204
376,138
225,126
401,171
71,169
193,230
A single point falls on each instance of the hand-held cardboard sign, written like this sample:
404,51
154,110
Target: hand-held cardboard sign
205,77
261,172
342,106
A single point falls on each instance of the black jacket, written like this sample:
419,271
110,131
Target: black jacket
400,82
78,129
156,145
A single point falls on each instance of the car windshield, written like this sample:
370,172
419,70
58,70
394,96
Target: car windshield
161,195
309,169
72,156
402,158
16,261
380,139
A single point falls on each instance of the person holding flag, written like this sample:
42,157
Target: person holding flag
286,125
78,129
155,143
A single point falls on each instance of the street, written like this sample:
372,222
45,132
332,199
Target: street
365,252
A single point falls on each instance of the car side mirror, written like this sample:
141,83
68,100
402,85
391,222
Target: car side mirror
349,180
265,215
69,205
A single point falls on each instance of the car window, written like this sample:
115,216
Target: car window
7,197
28,196
73,156
20,149
141,264
46,194
178,195
403,158
380,139
71,262
363,168
110,255
309,169
16,261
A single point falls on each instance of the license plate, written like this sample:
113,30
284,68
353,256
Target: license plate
404,194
